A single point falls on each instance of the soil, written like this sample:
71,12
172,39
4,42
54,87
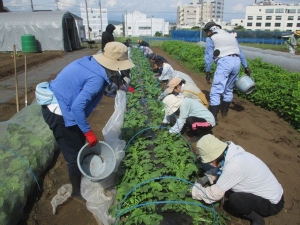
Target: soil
259,131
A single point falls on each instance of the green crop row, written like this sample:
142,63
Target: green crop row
276,89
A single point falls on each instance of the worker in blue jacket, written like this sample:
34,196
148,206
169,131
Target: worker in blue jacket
78,89
223,49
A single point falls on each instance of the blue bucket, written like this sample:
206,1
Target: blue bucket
245,84
97,162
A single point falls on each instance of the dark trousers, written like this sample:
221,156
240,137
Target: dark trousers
69,139
245,203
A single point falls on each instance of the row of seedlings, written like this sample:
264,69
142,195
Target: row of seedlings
158,167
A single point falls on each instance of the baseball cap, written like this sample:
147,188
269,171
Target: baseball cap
114,57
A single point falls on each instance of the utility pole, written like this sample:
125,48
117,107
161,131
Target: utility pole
57,5
87,18
202,2
100,17
32,6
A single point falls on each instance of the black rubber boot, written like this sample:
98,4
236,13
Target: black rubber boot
255,218
225,108
214,110
76,195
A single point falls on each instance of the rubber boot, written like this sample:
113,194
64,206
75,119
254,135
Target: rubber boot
225,108
76,195
214,109
255,218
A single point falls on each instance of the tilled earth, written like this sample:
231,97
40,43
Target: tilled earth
257,130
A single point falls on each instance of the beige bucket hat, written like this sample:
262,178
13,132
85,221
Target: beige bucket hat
210,148
172,103
173,83
297,32
114,57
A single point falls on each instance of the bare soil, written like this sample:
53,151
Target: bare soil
259,131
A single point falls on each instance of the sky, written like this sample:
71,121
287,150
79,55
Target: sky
167,9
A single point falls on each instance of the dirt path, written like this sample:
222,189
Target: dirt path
259,131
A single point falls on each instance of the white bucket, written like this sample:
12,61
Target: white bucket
97,162
245,84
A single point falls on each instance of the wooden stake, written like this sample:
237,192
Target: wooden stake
25,82
16,78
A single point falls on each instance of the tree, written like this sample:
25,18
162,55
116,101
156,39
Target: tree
239,27
158,34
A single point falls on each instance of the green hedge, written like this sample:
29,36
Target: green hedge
277,89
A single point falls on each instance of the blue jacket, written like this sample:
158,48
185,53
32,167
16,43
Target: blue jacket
79,88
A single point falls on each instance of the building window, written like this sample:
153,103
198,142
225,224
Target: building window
278,18
298,11
279,10
258,24
269,10
277,24
259,17
267,24
268,17
249,24
250,17
291,11
129,28
289,24
298,25
145,28
298,17
290,17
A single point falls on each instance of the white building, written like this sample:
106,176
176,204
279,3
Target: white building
136,24
97,21
268,15
200,11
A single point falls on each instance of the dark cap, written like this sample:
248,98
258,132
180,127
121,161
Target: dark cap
158,61
209,25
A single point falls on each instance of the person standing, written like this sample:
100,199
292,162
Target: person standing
107,35
192,114
78,89
251,188
223,49
293,42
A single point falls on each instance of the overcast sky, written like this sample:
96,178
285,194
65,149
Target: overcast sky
234,9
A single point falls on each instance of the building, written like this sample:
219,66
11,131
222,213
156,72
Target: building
200,11
136,24
268,15
95,20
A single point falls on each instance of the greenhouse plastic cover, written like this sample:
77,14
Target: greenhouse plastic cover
53,30
27,147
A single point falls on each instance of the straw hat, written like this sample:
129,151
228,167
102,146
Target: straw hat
172,103
210,148
297,32
114,57
173,83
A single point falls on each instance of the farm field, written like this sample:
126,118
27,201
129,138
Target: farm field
259,131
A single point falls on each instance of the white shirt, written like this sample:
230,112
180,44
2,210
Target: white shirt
167,70
242,172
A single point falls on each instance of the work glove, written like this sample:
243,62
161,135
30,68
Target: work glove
91,138
247,71
208,77
212,175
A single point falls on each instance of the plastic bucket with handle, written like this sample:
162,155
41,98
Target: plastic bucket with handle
97,162
245,84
